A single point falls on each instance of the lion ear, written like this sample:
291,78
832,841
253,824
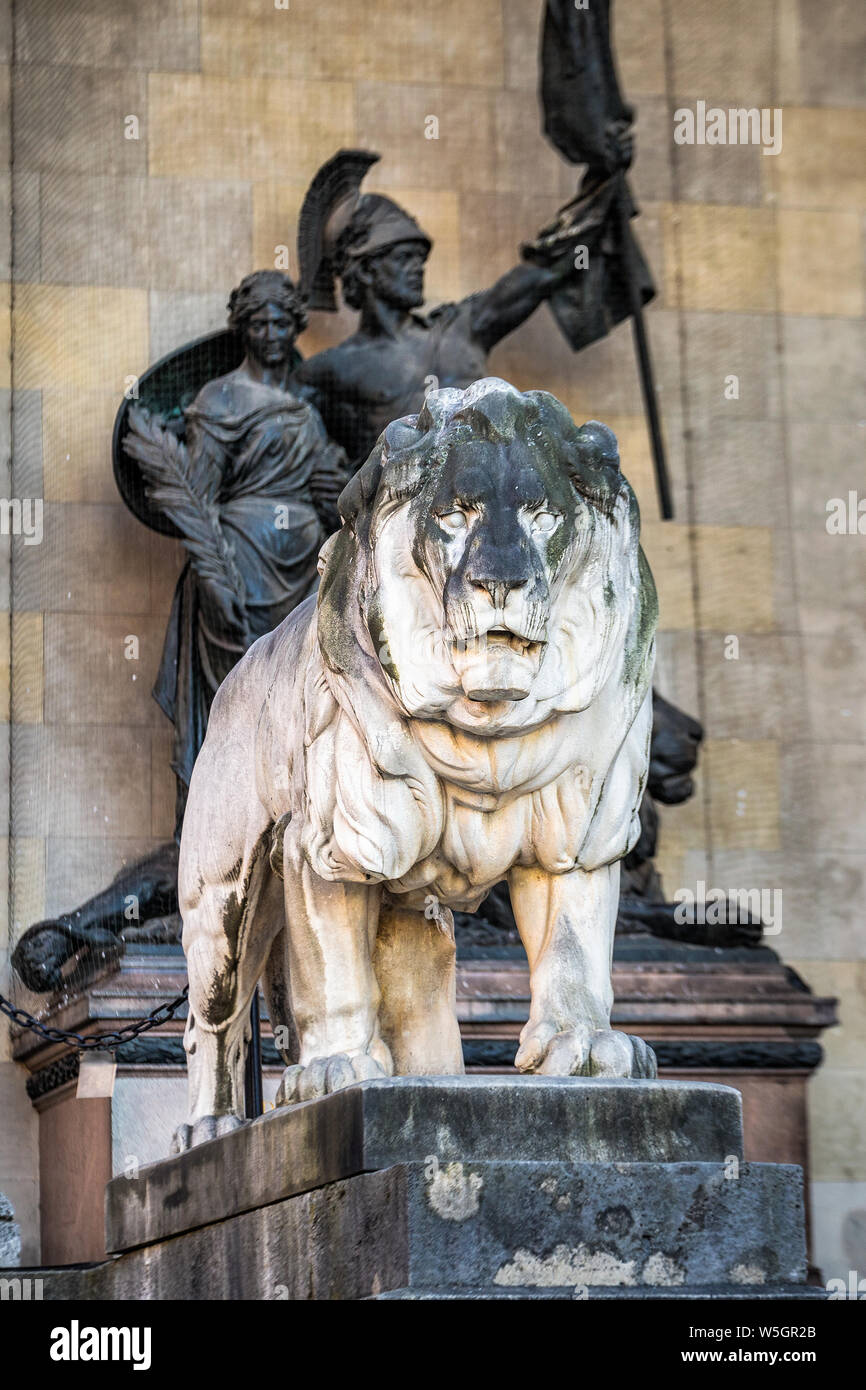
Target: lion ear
401,434
594,464
597,446
360,490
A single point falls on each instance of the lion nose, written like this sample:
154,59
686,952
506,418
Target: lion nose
497,590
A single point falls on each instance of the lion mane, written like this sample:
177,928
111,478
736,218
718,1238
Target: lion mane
403,780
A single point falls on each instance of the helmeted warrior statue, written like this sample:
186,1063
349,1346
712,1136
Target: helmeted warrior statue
377,251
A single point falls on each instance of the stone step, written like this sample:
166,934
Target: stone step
377,1124
730,1292
484,1229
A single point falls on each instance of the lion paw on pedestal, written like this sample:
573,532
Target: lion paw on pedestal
324,1075
188,1136
572,1052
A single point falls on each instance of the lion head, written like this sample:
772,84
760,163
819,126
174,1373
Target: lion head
489,564
487,587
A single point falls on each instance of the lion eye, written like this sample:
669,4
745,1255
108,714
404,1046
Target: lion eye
453,521
544,522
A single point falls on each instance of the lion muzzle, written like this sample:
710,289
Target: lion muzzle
499,665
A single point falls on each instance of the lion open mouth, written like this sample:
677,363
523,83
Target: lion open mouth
499,664
518,644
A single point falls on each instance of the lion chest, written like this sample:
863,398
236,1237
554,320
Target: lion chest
488,774
520,801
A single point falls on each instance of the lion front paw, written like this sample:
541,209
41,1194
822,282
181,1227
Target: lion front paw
208,1127
605,1052
324,1075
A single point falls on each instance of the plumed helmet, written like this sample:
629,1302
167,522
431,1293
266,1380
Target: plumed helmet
340,225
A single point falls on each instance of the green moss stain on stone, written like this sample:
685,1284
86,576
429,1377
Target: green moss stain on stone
643,626
378,632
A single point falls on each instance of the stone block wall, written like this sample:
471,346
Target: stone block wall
124,238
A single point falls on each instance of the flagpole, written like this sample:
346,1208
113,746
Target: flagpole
650,400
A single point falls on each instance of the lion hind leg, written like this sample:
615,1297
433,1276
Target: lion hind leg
229,928
416,964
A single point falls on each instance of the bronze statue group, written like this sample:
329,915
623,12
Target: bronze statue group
246,468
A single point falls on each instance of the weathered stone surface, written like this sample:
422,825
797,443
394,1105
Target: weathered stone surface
347,1240
486,1230
381,1123
10,1235
736,1292
625,1225
472,1187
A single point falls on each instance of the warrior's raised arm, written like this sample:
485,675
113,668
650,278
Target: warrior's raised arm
517,294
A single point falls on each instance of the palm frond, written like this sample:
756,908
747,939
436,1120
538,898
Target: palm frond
185,494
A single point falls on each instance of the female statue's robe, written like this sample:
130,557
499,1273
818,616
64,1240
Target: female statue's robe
271,458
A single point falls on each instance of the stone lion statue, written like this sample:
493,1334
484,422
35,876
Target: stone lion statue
466,700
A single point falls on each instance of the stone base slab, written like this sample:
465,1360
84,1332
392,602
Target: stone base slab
739,1293
491,1230
462,1187
378,1124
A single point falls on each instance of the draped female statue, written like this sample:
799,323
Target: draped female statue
267,478
218,452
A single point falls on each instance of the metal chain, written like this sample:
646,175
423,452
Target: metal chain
94,1041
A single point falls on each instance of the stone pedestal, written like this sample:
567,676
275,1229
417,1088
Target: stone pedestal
736,1017
471,1187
